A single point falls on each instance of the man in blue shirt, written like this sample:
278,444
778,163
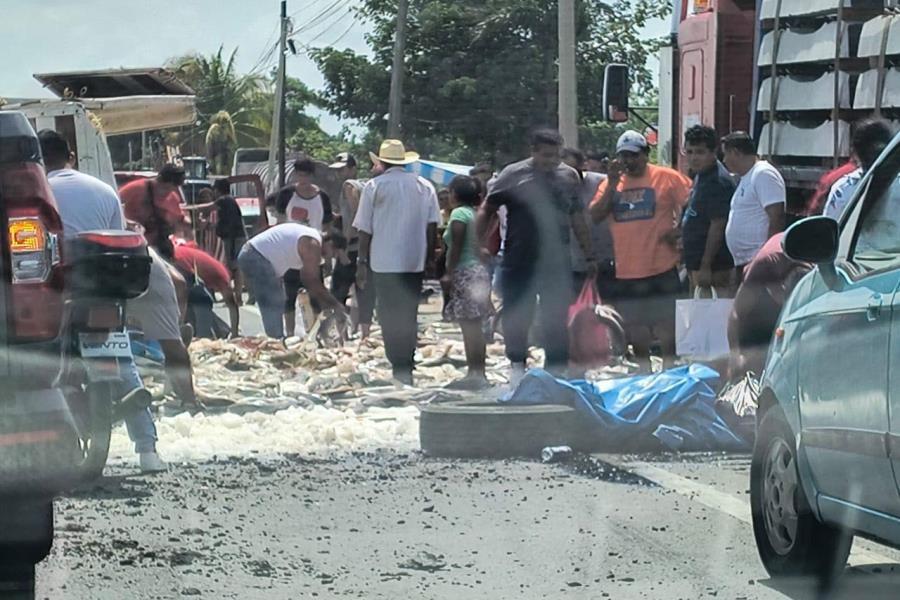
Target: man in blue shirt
705,252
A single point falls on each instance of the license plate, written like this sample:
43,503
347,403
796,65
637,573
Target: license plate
105,345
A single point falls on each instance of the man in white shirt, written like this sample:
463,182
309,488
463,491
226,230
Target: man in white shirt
757,207
86,204
870,138
397,222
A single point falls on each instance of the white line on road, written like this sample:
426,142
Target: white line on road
722,502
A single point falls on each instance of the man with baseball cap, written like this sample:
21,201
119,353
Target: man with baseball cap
397,222
643,203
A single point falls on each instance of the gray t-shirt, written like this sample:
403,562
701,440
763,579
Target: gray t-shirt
539,208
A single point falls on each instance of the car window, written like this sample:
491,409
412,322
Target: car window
878,232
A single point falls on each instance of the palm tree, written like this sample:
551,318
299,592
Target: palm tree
223,95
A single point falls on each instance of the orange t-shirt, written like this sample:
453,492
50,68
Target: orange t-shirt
644,210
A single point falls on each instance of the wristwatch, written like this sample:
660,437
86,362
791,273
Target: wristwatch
363,261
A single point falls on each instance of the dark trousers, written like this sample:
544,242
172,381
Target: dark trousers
397,297
521,288
343,278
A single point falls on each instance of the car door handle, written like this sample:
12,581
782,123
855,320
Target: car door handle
873,308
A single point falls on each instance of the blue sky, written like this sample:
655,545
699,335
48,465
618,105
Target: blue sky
40,36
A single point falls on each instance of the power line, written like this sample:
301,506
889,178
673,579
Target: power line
330,27
333,8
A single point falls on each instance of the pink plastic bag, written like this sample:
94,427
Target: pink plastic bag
596,335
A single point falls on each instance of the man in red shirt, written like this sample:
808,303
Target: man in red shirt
156,205
212,273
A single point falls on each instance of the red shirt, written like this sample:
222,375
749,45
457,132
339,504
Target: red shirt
202,265
166,199
816,203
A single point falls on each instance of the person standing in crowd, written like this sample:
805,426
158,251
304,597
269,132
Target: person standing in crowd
601,238
467,277
155,204
597,162
344,275
397,222
770,278
265,259
230,229
542,198
86,204
758,205
870,138
644,203
706,256
303,203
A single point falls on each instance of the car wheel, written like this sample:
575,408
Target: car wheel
93,443
789,538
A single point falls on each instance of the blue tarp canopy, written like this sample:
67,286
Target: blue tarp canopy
439,173
677,407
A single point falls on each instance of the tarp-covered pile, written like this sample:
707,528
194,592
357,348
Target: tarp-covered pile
675,407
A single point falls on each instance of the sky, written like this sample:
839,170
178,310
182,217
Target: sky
47,36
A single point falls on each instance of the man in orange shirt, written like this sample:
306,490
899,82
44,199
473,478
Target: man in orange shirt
643,203
156,205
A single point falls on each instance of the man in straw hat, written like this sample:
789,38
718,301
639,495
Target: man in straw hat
397,222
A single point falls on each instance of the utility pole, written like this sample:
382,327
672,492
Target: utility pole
568,88
276,140
282,75
395,104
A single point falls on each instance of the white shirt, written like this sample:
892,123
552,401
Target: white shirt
396,209
748,222
841,193
278,245
85,203
309,211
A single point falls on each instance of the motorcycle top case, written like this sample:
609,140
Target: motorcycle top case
108,264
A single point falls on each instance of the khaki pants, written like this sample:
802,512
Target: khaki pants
723,281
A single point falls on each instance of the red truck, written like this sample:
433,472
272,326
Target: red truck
795,74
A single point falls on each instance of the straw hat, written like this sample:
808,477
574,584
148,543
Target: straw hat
393,152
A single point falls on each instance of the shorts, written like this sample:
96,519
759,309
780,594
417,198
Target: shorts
232,247
157,310
649,301
470,294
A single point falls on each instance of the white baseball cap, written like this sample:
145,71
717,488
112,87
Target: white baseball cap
631,141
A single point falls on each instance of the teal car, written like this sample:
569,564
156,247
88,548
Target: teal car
827,456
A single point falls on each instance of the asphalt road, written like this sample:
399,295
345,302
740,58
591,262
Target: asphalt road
404,526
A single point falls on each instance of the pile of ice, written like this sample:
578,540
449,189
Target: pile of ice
316,432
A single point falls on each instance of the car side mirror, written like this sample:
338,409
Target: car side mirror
615,93
815,240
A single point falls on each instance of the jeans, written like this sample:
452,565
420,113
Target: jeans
521,287
266,286
140,426
397,295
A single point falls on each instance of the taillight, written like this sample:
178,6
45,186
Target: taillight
33,250
32,240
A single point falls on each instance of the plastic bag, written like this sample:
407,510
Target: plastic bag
596,334
701,327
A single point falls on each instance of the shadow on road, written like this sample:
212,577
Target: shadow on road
872,582
116,487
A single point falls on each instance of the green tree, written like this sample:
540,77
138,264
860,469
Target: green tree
481,74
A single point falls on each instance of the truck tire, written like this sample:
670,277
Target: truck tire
94,443
484,429
789,538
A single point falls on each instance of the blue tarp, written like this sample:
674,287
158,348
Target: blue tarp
677,407
439,173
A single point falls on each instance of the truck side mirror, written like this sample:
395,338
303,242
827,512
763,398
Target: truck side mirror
615,93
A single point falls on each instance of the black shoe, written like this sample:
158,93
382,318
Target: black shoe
404,377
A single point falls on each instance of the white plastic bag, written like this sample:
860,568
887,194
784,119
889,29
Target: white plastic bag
701,327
